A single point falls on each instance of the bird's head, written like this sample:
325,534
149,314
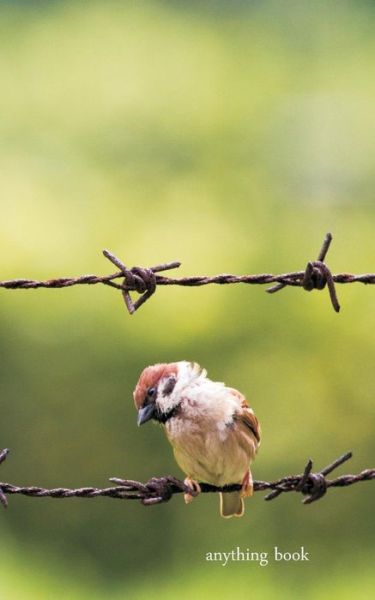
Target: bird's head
158,392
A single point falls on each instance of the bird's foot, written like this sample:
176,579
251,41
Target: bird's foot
194,485
247,485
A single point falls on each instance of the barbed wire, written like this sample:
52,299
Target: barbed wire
144,281
156,490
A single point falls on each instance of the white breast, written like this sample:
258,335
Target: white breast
203,434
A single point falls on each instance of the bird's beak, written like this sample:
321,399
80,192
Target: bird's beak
145,413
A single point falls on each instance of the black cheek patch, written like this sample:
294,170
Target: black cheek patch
164,417
169,386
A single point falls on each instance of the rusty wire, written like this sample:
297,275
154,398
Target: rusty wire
144,281
312,486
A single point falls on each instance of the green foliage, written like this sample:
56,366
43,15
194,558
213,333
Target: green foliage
231,141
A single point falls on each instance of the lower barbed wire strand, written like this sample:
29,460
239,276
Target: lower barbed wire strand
160,489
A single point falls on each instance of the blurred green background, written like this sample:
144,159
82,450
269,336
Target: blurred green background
231,136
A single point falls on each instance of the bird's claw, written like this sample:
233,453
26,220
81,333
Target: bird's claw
195,487
247,485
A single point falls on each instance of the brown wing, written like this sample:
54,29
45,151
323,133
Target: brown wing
246,416
249,419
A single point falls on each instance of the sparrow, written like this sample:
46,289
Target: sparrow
213,431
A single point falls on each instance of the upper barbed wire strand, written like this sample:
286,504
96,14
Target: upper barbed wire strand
145,281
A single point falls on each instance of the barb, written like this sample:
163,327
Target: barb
312,486
317,275
144,281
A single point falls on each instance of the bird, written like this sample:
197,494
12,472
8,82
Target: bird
213,431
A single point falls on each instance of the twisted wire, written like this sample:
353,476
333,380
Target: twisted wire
156,490
144,281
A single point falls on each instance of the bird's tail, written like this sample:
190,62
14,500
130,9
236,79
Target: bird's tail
231,505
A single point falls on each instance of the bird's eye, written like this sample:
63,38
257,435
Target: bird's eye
151,392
